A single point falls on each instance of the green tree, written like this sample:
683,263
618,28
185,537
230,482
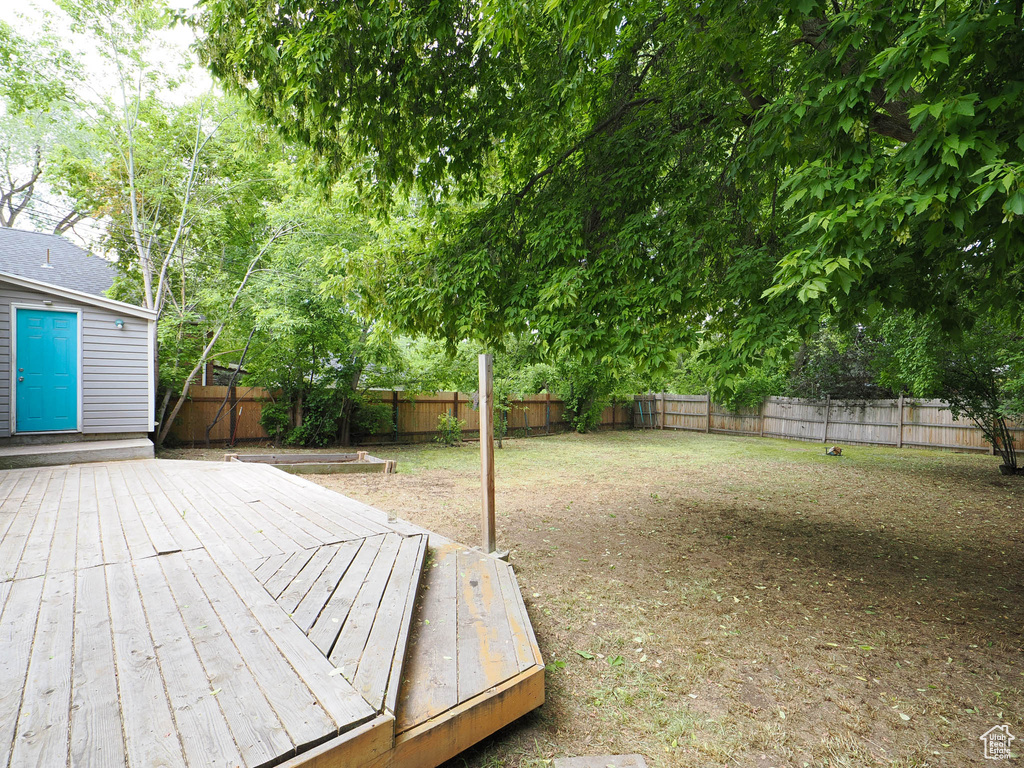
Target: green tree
38,113
979,373
633,179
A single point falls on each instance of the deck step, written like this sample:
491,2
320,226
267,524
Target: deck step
79,452
354,600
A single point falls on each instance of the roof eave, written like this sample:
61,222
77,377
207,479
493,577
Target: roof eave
85,298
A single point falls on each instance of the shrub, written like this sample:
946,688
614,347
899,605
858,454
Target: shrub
276,420
449,429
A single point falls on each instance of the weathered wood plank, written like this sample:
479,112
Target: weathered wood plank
135,535
355,630
22,504
300,713
309,608
384,651
270,506
268,532
152,520
515,613
216,535
258,731
37,547
96,740
337,697
198,718
430,680
172,516
266,567
434,741
485,652
526,617
43,724
63,555
232,515
327,626
284,576
17,630
330,510
149,730
89,549
115,548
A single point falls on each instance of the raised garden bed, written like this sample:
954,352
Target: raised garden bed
319,463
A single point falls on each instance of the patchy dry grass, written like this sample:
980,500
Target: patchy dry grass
745,602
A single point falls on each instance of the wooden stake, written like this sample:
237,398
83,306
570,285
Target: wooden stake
487,450
828,406
707,405
899,424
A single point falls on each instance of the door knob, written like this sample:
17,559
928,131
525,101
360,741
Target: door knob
21,378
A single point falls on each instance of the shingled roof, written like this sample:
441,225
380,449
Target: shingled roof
24,254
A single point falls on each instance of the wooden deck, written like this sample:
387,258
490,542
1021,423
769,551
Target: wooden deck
157,613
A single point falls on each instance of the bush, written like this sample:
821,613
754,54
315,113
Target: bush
369,418
321,419
449,430
275,419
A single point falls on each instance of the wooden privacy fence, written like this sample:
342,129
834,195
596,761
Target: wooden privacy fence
240,417
898,423
413,417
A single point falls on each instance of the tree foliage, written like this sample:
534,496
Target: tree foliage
634,178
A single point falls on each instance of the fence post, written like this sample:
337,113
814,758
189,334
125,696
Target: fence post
828,405
487,450
707,404
455,405
763,404
233,420
899,423
659,408
547,415
394,415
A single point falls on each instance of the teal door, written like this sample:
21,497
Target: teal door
46,376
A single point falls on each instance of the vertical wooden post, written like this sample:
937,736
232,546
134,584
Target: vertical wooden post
487,450
707,405
899,423
394,415
547,415
455,405
828,405
763,404
233,421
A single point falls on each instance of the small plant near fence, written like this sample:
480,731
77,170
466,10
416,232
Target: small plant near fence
449,430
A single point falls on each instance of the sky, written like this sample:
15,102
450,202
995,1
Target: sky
27,18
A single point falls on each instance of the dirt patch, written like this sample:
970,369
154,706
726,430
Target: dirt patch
716,601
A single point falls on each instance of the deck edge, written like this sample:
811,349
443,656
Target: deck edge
441,738
364,743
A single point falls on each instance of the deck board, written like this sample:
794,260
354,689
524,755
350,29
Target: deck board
96,740
43,726
305,613
325,629
235,615
301,715
17,631
257,728
195,704
431,680
36,551
150,735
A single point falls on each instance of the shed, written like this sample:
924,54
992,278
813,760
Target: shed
74,364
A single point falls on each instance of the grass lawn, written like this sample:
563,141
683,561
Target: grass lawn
716,601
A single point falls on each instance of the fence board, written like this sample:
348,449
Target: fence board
417,416
897,423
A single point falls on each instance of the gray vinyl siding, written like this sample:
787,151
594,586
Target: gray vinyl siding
115,364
